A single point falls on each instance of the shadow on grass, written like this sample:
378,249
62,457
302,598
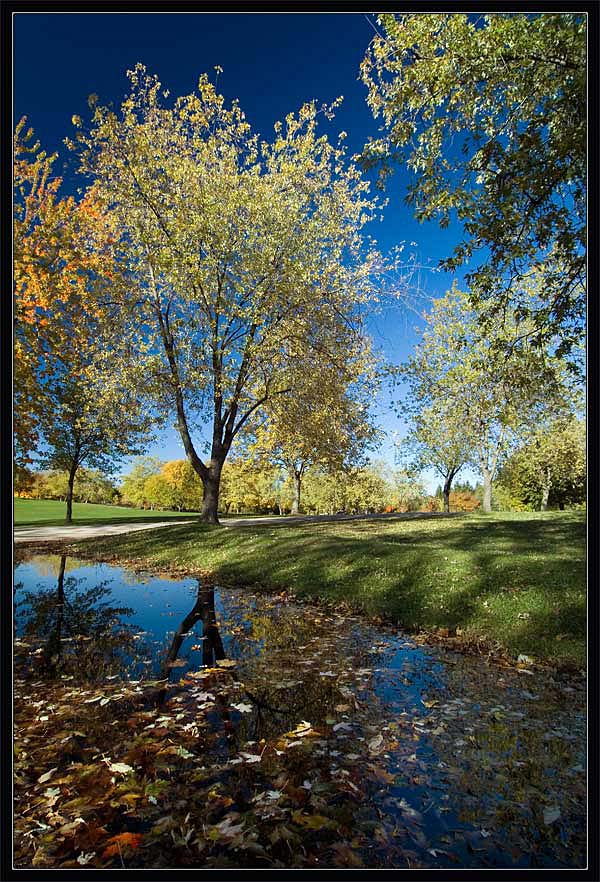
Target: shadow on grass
521,582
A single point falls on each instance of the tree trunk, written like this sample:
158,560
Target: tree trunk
210,499
545,492
72,473
561,505
447,485
487,491
297,489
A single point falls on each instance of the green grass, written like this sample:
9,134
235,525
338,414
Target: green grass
518,579
50,512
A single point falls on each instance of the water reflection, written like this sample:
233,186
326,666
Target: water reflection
435,759
69,630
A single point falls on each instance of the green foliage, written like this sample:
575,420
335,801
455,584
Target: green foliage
133,488
489,113
89,486
248,255
550,469
471,394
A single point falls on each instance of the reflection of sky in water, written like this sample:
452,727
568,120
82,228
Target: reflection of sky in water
439,788
159,607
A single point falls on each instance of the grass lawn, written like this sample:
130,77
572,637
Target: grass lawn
518,579
50,512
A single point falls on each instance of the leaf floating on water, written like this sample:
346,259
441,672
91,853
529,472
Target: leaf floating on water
551,814
311,822
243,708
84,859
375,743
226,663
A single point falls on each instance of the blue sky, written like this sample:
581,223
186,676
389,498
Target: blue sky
272,63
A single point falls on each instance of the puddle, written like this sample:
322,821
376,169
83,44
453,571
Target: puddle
160,723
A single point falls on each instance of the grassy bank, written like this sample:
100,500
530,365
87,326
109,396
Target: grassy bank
51,512
515,579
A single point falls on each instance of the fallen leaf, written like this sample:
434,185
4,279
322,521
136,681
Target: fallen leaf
123,840
551,814
119,768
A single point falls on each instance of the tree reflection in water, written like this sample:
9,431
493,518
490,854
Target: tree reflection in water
67,631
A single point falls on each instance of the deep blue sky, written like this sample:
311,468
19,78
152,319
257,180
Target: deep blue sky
271,62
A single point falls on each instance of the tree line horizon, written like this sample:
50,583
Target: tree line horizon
208,277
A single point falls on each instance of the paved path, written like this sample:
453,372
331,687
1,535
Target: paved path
59,534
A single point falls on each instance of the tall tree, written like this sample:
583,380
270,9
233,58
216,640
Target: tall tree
40,221
91,416
248,253
485,388
489,112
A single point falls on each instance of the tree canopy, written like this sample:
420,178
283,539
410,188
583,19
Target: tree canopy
248,254
489,114
472,393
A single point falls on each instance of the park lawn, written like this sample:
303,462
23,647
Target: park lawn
518,580
51,513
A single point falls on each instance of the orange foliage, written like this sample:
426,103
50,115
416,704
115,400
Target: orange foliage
462,500
123,840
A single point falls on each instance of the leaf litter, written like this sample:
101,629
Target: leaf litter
308,738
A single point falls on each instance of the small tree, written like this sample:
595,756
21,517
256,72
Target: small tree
436,440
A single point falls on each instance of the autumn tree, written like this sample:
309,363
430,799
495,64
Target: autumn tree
484,390
324,420
436,438
185,484
248,254
550,468
133,488
39,223
91,416
250,483
489,114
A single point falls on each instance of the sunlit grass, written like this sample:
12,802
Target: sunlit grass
518,579
51,512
